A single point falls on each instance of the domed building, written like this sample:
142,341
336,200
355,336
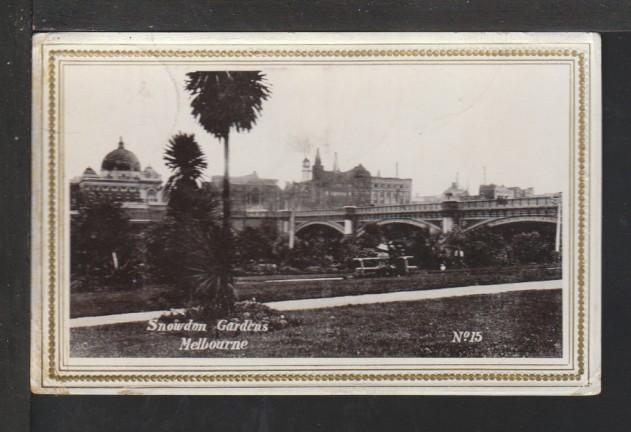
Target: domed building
120,159
121,179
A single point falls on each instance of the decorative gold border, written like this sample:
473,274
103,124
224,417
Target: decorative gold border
55,375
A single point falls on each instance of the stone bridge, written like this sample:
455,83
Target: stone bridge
436,217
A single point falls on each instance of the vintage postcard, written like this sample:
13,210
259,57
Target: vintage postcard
353,213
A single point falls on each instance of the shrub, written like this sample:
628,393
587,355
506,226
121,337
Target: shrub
531,248
103,245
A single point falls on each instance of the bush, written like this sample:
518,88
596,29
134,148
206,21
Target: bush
285,269
531,248
104,249
248,310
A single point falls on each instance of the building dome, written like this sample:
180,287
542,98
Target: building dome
360,171
150,172
120,159
455,192
89,172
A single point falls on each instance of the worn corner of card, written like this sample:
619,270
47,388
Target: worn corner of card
316,213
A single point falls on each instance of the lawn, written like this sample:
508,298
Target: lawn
516,324
161,297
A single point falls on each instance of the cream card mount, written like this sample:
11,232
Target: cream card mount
301,213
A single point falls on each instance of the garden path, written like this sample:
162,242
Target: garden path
320,303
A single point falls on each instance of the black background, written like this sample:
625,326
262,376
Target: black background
19,410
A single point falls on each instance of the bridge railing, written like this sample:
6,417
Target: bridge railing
418,207
323,212
538,201
509,203
256,214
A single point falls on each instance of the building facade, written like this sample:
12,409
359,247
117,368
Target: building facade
121,179
252,193
390,191
322,188
493,191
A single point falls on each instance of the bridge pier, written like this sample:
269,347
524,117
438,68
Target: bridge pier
450,210
448,224
292,229
288,226
350,220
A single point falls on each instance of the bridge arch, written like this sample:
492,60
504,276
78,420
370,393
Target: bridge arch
419,223
510,220
337,227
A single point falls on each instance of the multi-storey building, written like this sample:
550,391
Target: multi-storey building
390,190
252,193
334,188
493,191
121,179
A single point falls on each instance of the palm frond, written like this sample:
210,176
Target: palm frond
185,159
226,99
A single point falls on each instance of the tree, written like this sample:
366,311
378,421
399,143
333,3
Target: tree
170,242
426,247
252,244
484,247
373,236
223,101
176,246
101,242
187,162
531,248
316,246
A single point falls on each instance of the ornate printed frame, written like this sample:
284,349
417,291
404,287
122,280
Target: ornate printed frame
582,51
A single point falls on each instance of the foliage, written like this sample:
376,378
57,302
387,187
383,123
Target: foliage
531,247
372,237
167,246
226,99
402,239
244,311
484,247
325,250
315,247
157,297
187,162
185,248
102,244
221,101
257,244
205,271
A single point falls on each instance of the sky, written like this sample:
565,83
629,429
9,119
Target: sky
436,121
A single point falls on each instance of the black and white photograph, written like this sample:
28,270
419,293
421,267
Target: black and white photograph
411,208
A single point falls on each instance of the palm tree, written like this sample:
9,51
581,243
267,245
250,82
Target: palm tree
222,101
187,162
183,246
